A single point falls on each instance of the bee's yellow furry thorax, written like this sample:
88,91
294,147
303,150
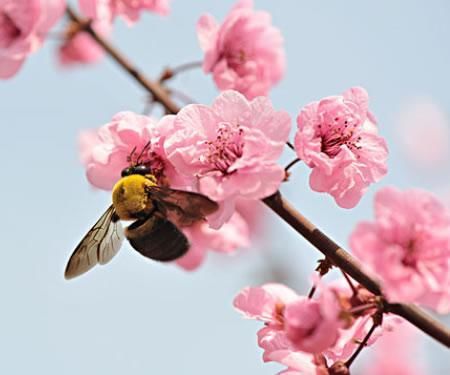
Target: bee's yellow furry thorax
130,197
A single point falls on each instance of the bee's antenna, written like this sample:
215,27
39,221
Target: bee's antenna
130,157
144,149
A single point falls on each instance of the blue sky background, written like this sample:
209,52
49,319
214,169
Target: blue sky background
138,317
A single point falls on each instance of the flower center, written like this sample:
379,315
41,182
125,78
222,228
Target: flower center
236,58
156,164
410,257
418,242
338,133
8,30
225,149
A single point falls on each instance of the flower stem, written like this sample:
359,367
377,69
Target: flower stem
312,291
290,145
361,345
291,164
360,308
352,287
169,73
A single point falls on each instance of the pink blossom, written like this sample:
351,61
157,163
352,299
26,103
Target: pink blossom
129,10
232,235
245,52
80,48
264,303
408,247
309,334
231,148
312,325
108,152
269,304
337,138
24,25
295,322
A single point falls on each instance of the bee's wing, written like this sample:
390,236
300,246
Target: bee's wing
157,238
182,207
99,245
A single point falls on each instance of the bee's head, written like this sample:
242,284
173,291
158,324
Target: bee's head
136,169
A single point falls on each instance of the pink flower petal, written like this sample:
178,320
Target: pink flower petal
337,138
229,150
24,25
245,52
256,303
408,247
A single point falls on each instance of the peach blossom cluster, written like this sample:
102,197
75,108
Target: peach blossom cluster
309,335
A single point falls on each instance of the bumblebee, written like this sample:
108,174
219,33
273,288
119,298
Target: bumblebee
157,213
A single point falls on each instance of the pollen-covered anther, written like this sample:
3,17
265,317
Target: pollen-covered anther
225,149
334,137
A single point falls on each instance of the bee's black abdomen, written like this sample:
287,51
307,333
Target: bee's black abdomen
158,239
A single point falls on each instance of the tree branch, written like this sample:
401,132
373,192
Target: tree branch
350,266
421,320
323,243
158,92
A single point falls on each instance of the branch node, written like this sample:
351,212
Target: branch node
325,265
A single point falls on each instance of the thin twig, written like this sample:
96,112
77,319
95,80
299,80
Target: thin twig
312,291
159,93
291,164
290,145
169,73
187,66
360,308
361,345
352,287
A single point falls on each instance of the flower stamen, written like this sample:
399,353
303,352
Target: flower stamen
9,30
225,149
